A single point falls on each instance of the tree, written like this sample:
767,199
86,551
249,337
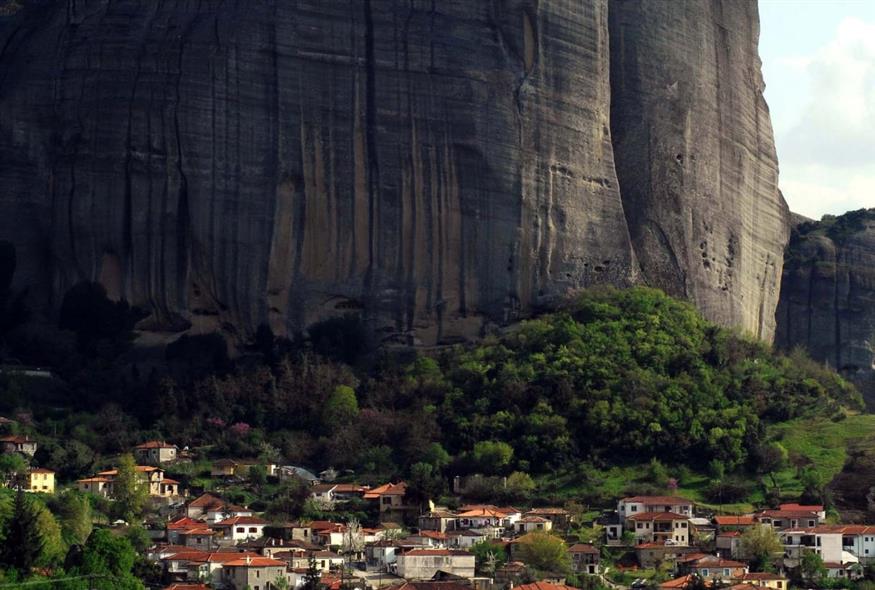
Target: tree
128,491
487,557
53,546
109,559
492,457
520,484
811,566
424,482
545,552
340,409
74,512
12,468
22,543
760,545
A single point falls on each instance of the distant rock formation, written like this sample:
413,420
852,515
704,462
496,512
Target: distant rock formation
827,300
433,166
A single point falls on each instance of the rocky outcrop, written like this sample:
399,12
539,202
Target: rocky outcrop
695,155
434,166
827,301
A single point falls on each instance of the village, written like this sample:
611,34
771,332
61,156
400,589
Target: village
200,540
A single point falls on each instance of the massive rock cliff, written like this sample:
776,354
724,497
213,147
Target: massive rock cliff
695,155
433,165
827,300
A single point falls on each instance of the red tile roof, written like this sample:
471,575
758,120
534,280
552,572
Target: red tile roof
664,516
734,520
155,444
787,514
434,552
802,507
762,576
657,500
389,489
235,520
40,470
583,548
184,523
255,562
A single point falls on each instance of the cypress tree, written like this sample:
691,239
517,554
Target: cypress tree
22,541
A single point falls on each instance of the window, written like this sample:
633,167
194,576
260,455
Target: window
705,573
241,529
683,525
725,572
810,523
780,585
633,508
252,529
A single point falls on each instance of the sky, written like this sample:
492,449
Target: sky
819,67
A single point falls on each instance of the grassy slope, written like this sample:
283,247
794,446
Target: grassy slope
822,441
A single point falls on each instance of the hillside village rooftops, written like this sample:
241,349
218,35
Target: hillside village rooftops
657,516
656,500
507,510
835,529
184,523
533,520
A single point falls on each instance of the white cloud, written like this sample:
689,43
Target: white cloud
827,152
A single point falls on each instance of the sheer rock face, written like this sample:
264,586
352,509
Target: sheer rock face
828,295
433,165
696,158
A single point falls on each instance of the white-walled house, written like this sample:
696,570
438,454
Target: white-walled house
633,505
240,528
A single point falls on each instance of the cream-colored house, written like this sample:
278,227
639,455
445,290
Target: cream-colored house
155,452
659,527
41,480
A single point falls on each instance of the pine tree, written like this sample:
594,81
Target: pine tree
22,541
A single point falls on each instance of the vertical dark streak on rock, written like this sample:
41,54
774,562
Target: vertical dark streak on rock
183,215
837,336
371,142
